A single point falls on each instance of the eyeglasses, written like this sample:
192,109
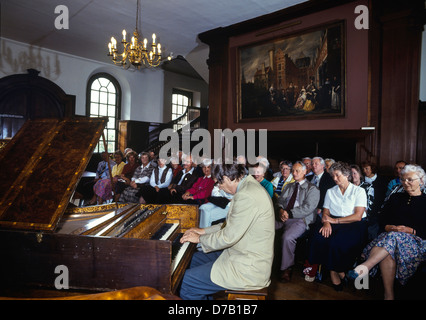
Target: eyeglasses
409,180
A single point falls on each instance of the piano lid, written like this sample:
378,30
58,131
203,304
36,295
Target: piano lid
40,169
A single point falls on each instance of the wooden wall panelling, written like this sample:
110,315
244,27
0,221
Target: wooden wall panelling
402,30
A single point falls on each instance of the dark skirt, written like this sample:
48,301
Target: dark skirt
340,250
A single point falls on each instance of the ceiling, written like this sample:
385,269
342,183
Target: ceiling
92,23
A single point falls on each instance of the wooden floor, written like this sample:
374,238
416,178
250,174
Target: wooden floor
299,289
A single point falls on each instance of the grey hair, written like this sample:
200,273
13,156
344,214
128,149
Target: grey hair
417,170
301,163
320,159
343,167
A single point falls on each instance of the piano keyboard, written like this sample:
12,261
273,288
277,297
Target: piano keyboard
165,231
178,251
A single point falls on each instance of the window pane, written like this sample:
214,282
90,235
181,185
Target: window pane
111,135
95,85
103,96
111,98
103,110
94,109
94,96
111,87
104,82
111,112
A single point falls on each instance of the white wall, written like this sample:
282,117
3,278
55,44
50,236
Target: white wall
143,95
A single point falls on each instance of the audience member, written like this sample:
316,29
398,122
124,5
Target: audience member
161,178
103,188
258,172
283,178
320,179
269,174
202,188
296,210
379,184
123,180
339,240
358,180
217,207
238,253
399,165
401,248
328,163
181,182
140,177
307,161
102,173
175,164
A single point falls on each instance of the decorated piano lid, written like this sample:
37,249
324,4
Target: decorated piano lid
40,168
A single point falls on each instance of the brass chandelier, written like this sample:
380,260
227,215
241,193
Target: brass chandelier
135,53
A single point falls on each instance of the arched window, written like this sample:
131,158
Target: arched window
104,100
180,101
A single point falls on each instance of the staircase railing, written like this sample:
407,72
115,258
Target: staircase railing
194,116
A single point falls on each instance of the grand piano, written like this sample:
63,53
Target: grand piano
102,248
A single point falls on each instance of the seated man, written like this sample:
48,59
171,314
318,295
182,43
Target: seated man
296,211
238,253
140,177
180,183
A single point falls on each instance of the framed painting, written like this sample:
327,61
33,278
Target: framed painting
297,76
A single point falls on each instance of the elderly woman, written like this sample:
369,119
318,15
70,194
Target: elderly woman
342,235
402,247
284,177
258,172
202,188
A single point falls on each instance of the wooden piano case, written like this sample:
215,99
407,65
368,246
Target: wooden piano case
41,167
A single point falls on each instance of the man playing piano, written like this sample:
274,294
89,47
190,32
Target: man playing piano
238,253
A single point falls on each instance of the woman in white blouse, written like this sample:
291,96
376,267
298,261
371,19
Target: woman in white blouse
341,236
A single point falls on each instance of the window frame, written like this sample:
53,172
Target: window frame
118,97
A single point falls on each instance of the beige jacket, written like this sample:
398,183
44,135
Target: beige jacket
247,240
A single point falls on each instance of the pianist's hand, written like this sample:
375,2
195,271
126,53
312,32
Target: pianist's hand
192,235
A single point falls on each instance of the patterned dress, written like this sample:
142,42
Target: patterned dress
129,194
408,250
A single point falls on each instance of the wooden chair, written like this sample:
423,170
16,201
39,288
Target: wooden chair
260,294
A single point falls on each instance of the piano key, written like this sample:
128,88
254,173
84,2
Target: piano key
178,251
169,232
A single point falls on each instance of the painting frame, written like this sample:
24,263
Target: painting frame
307,80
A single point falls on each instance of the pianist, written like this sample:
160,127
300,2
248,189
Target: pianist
237,254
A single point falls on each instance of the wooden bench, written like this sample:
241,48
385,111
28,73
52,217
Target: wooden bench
260,294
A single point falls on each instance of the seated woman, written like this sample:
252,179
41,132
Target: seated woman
160,179
202,188
258,172
122,181
216,209
102,189
359,180
339,239
401,248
